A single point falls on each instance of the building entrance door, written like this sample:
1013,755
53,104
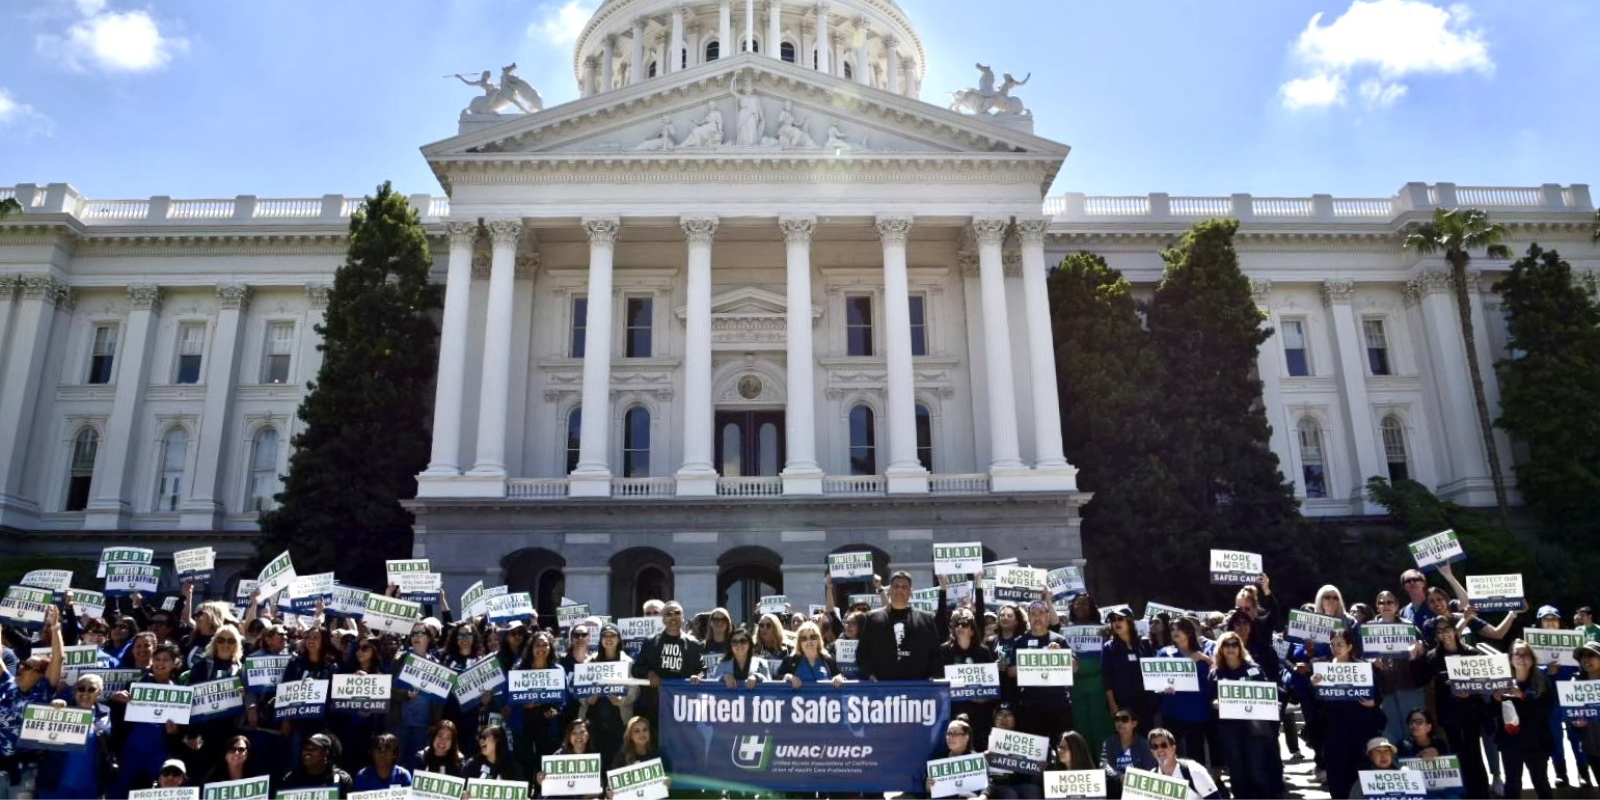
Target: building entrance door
749,443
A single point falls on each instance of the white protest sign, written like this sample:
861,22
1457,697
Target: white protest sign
124,555
303,699
1307,627
160,703
1490,593
547,686
55,728
479,678
1443,772
1073,783
508,607
356,693
89,603
1017,751
1044,667
1065,582
1247,700
1180,674
1553,646
491,789
973,681
640,628
172,793
1579,700
1235,568
1393,784
216,698
390,614
126,579
348,601
646,780
195,564
438,785
850,565
958,776
1482,675
1443,547
844,654
26,606
963,558
774,604
427,676
472,601
1387,640
419,586
246,789
1138,784
1343,681
570,776
276,575
264,671
869,599
570,615
56,580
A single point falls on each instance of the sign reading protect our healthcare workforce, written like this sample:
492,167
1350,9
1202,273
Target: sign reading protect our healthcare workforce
1488,593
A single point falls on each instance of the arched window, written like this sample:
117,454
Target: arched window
786,52
639,574
745,575
174,458
652,72
1394,449
542,574
636,443
683,58
713,51
1311,463
849,71
752,46
925,437
264,469
574,431
863,442
80,473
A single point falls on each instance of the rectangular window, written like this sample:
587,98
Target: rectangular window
640,311
191,341
580,327
1377,346
103,355
279,347
919,326
1294,348
858,325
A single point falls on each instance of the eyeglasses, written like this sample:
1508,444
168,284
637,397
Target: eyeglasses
1161,745
1121,718
238,750
811,638
85,689
740,642
171,773
580,634
1231,646
465,635
962,623
672,613
1416,579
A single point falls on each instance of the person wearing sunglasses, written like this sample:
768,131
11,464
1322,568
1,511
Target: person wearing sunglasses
671,655
966,646
223,658
959,740
385,772
359,726
237,762
535,728
810,663
1123,749
1397,683
1043,710
411,713
739,667
463,645
1201,785
1249,748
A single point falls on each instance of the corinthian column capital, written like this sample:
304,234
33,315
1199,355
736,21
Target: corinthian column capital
504,232
462,233
602,230
990,230
894,230
799,229
1031,230
699,230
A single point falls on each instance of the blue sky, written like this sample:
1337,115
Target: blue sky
293,98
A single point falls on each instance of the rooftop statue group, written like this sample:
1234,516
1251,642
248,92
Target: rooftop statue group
988,101
511,92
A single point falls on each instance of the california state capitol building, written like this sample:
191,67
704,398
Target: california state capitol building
759,295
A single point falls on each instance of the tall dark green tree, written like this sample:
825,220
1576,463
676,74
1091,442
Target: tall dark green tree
1226,488
1106,372
366,417
1550,389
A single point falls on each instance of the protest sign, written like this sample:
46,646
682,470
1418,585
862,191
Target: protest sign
89,603
1308,628
126,579
429,677
347,601
356,693
195,565
1553,646
610,678
1433,551
1138,784
958,776
1579,700
646,780
481,677
26,606
306,590
1392,784
1442,772
421,587
246,789
926,599
491,789
1018,752
783,739
1084,639
390,614
1074,783
844,654
1017,584
1481,675
471,601
640,628
115,680
437,786
124,555
1044,667
1491,593
303,699
216,699
962,558
1180,674
1065,582
570,776
55,728
1235,568
1343,681
332,793
276,575
1151,609
77,658
775,604
850,566
1247,700
264,671
570,615
173,793
160,703
973,681
56,580
509,607
1388,640
871,600
536,686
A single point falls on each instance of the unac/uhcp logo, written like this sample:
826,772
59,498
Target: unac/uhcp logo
752,752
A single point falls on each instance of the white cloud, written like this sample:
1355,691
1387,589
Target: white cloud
1317,91
561,26
1392,38
112,41
21,119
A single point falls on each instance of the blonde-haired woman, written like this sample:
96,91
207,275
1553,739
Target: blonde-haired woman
207,620
809,663
1249,749
222,658
769,642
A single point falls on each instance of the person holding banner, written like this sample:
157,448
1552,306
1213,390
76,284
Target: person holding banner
1249,747
1588,657
1527,743
719,626
809,664
1550,619
1201,785
638,744
81,772
671,654
1005,784
769,639
965,647
1461,714
958,741
319,660
412,712
738,667
898,642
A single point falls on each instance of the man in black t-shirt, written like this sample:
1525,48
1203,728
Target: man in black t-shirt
1042,710
672,654
898,642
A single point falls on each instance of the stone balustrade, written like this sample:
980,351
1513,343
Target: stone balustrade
61,198
1322,208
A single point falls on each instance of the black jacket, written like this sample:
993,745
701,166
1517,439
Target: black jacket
882,657
650,658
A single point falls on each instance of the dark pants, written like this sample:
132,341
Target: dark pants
1468,743
1044,718
1250,762
1192,740
1515,759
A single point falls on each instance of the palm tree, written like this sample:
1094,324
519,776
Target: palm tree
1454,232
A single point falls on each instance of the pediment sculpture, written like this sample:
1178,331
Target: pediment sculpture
986,100
498,98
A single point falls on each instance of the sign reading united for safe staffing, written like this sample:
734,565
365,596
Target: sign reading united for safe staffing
850,565
1434,551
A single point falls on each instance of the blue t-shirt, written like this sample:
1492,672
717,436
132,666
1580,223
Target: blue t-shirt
368,780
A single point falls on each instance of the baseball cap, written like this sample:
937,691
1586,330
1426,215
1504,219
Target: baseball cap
1548,611
173,763
321,740
1586,649
1378,743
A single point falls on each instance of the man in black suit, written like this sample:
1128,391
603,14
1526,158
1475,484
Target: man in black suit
898,642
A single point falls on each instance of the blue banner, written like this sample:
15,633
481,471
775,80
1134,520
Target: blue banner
862,737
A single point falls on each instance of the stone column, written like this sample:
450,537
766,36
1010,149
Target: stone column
1269,367
863,68
608,63
8,294
1465,474
636,72
496,376
698,476
774,29
1352,354
824,39
446,459
905,473
749,25
725,48
675,53
801,475
592,478
24,366
109,508
1005,463
206,505
1049,453
889,46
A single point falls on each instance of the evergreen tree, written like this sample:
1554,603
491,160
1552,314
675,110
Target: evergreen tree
1550,389
366,417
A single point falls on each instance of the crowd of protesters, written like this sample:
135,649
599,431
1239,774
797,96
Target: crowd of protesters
1105,721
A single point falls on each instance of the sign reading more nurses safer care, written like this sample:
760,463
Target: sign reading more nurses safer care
1554,646
958,776
1179,674
1044,667
247,789
1138,784
646,780
1482,675
1017,751
1074,783
536,686
1247,700
962,558
1307,627
570,776
1443,547
356,693
1579,699
1393,784
302,699
1488,593
159,702
55,728
1343,681
1235,568
973,681
1387,640
1443,772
